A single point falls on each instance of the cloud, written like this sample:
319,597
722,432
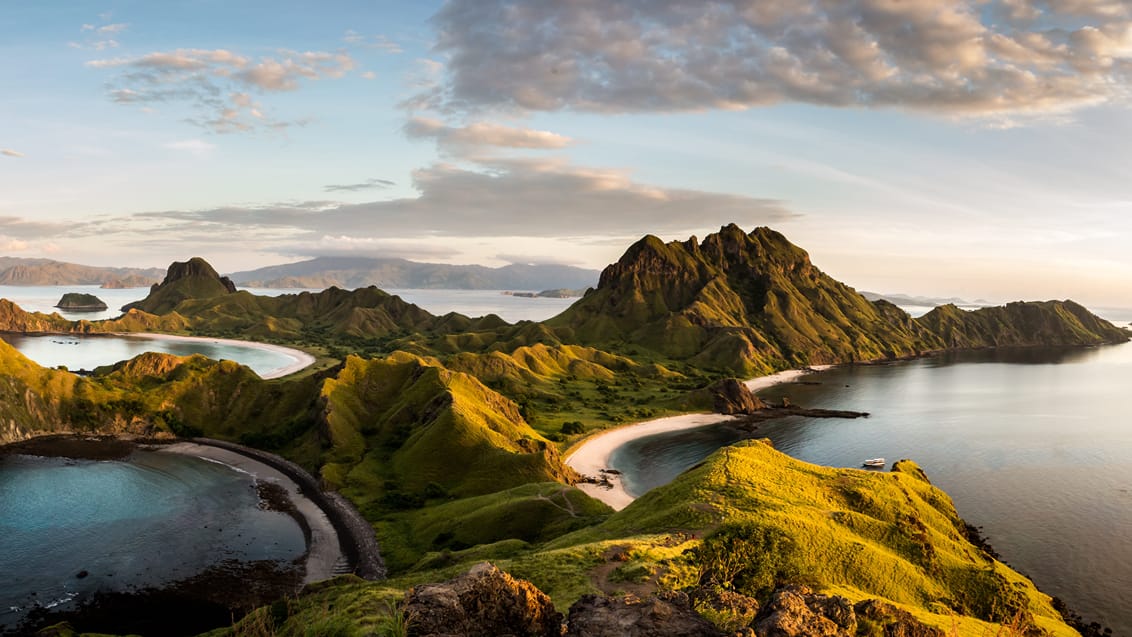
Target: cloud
219,84
506,198
536,259
8,152
369,184
197,147
974,58
20,228
463,140
379,42
101,36
348,246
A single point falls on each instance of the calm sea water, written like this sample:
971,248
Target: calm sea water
1035,446
76,351
150,520
468,302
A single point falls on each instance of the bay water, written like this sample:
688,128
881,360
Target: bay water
1033,445
75,528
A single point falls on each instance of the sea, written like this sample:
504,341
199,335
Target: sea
1034,446
74,530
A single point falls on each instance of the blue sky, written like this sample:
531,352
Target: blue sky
942,147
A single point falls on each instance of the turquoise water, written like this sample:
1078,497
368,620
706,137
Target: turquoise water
153,519
77,351
1034,446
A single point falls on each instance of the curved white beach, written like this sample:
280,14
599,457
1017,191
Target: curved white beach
594,453
301,360
324,551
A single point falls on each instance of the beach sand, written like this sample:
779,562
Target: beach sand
324,551
301,359
593,455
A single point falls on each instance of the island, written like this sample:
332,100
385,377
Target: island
80,302
450,434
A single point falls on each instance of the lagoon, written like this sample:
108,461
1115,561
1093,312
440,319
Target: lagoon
88,351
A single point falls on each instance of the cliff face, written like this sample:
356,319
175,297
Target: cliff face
753,303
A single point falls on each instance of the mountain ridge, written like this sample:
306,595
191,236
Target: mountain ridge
355,272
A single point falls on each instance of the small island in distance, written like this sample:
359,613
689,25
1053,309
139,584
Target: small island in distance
80,302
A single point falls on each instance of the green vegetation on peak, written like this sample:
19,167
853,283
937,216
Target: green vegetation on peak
753,303
192,279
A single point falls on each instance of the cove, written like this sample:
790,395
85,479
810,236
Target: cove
82,351
1033,445
166,528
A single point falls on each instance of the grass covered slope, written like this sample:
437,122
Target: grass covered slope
401,427
750,303
753,303
856,533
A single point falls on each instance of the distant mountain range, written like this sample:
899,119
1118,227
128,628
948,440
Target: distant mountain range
359,272
20,271
318,273
924,301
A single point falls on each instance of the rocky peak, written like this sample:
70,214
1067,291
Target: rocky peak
195,267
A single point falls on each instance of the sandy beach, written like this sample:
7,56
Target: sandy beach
593,455
324,551
301,359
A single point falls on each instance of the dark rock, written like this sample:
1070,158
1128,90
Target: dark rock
485,602
896,622
79,302
796,611
81,574
668,614
729,396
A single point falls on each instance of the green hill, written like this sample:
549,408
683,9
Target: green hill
192,279
754,303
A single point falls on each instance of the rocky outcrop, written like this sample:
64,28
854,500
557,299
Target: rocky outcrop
730,396
485,602
79,302
668,614
797,611
192,279
894,622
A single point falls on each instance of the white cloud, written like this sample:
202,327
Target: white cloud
197,147
970,58
498,200
219,83
8,152
477,135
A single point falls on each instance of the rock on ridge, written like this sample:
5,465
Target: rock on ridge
484,602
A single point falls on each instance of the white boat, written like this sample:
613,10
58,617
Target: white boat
874,462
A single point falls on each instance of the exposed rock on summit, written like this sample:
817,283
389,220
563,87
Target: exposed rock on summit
192,279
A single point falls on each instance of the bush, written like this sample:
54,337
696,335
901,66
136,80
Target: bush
573,427
750,559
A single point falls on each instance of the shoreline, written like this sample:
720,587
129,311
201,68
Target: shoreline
324,547
341,532
302,359
591,456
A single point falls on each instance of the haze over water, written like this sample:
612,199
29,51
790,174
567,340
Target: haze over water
1035,446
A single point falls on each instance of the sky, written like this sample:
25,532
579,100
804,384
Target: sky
969,148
